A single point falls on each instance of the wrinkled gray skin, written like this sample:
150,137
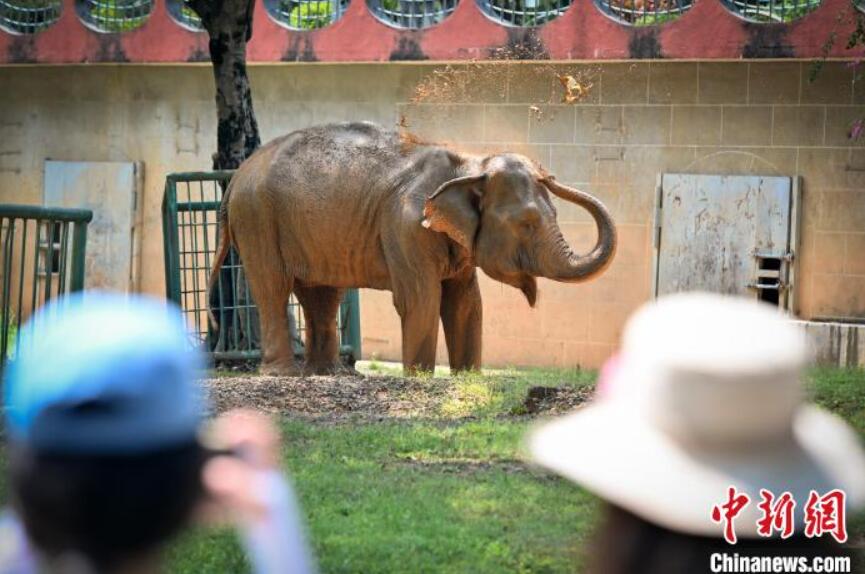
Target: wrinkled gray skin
353,205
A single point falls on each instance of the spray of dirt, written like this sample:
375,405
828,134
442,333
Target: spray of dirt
492,80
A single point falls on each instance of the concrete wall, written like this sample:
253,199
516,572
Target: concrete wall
637,119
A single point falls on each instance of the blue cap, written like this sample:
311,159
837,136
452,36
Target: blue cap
100,373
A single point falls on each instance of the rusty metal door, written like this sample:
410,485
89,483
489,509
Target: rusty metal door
725,234
112,191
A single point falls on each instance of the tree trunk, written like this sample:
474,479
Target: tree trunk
229,25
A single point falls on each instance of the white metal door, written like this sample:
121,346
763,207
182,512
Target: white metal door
110,190
725,234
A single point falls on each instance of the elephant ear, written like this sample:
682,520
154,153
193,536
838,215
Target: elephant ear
453,209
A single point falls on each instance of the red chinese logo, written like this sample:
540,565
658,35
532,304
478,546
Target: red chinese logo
727,512
776,514
825,514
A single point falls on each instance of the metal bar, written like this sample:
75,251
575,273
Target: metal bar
64,259
49,260
777,286
220,333
793,242
168,245
21,280
249,310
352,297
657,225
45,213
207,264
235,303
7,268
34,288
783,256
79,250
219,175
173,277
195,258
237,355
198,205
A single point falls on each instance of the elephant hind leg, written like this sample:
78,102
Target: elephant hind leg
320,307
271,287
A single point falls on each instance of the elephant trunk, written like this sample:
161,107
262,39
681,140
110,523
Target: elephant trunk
563,264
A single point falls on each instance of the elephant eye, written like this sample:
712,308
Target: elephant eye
531,217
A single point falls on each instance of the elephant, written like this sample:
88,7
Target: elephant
238,318
352,204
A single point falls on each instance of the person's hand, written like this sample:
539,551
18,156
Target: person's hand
232,482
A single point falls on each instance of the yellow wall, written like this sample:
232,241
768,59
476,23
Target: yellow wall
638,119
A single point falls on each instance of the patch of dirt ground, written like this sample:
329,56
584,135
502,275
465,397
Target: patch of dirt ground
368,397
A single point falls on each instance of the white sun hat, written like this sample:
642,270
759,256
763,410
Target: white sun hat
705,394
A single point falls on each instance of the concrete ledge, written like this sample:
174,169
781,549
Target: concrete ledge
836,344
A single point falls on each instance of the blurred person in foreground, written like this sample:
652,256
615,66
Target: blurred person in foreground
110,456
705,394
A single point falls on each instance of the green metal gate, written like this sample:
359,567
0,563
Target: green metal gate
190,223
41,258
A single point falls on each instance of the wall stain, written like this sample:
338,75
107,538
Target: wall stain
110,49
767,41
644,44
522,44
300,49
407,49
22,49
198,54
852,346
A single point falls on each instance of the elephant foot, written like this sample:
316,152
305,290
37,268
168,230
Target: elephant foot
280,369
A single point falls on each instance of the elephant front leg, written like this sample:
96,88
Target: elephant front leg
420,322
462,318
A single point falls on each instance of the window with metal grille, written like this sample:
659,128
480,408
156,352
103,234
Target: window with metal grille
413,14
771,11
183,15
114,15
306,14
523,13
644,12
28,16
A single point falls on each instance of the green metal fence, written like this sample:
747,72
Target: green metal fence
190,225
41,258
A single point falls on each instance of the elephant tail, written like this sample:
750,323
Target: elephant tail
221,253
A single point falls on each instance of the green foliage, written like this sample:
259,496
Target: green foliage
856,40
118,15
29,16
841,391
782,11
652,19
189,16
309,15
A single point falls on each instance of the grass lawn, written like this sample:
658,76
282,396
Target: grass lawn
449,492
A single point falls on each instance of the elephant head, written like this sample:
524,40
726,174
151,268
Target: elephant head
502,216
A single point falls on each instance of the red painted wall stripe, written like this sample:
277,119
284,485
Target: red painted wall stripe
706,31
